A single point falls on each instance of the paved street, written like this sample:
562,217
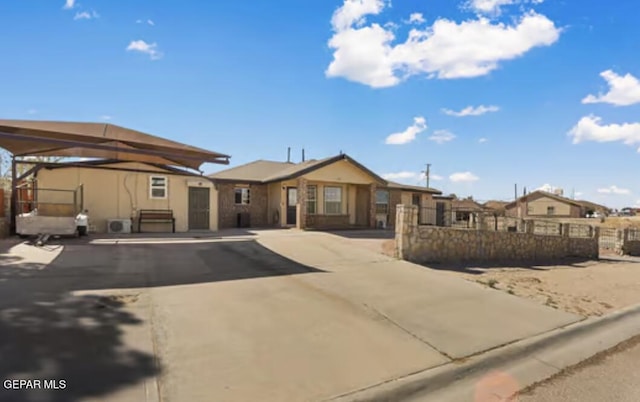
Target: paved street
281,315
610,377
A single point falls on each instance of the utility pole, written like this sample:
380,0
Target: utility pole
427,173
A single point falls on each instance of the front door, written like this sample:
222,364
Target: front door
363,206
292,201
199,208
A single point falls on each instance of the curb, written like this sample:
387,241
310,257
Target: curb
527,361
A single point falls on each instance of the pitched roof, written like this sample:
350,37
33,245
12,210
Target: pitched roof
99,140
466,205
593,205
496,205
262,171
256,171
394,185
548,195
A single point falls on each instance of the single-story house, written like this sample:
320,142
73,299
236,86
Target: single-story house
591,207
544,204
465,212
116,190
330,193
495,207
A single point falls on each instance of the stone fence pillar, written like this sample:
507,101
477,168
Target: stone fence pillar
406,228
565,229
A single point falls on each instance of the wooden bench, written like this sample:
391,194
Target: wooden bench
156,216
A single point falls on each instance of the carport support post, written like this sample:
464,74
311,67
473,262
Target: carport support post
14,195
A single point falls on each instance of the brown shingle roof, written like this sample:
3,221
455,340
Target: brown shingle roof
466,205
407,187
256,171
269,171
549,195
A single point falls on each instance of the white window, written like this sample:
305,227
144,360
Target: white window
382,202
333,200
158,187
312,200
243,195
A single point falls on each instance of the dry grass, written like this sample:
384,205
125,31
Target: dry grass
590,288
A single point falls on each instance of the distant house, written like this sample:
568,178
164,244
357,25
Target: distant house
330,193
544,204
495,207
465,212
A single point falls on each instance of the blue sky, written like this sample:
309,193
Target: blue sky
490,92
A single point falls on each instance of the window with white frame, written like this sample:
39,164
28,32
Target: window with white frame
243,195
382,202
333,200
312,200
158,187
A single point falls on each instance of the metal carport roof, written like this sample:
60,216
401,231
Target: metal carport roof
99,140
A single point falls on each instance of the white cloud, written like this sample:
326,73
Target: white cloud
614,190
623,90
445,50
85,15
589,128
463,177
401,175
148,22
416,18
408,135
472,111
410,177
69,4
482,140
442,136
488,6
143,47
105,117
352,12
578,194
548,188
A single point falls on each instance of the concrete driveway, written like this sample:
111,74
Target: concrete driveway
269,315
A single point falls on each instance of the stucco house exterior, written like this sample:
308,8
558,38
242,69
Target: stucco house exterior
330,193
119,190
543,204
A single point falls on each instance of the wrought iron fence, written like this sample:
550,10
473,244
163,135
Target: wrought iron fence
610,238
634,234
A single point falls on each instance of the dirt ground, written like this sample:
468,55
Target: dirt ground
590,288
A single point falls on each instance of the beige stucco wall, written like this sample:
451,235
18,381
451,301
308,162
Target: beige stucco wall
110,194
340,172
539,207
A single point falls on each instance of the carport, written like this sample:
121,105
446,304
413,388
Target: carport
26,139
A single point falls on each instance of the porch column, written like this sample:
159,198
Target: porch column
372,205
301,210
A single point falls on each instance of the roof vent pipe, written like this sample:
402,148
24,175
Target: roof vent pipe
303,154
288,154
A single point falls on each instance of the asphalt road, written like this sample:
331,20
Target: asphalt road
607,377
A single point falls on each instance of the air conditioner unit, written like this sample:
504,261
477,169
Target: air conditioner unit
381,224
119,226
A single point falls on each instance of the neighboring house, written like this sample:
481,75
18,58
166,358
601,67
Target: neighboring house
543,204
495,207
465,212
331,193
120,194
591,207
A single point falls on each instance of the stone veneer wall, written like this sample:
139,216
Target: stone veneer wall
228,210
631,247
5,215
395,198
447,245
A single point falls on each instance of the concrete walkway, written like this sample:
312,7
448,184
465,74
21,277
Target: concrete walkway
268,315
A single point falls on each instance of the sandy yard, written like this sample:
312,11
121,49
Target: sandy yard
590,288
